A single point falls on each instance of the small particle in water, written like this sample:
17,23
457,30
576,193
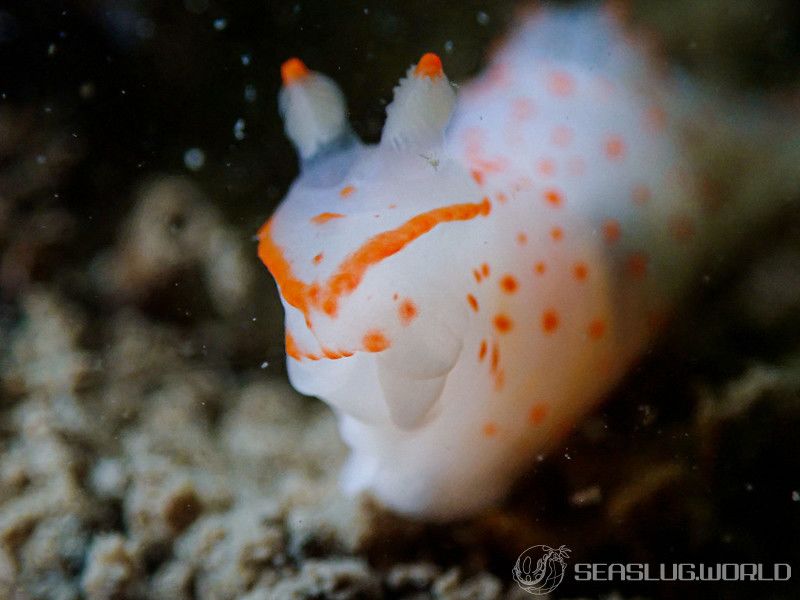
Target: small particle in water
194,159
250,93
51,50
220,24
238,129
366,11
87,90
41,159
748,487
246,58
264,364
448,46
483,18
795,496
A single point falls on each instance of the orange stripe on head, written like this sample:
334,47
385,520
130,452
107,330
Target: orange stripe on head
348,276
351,272
325,217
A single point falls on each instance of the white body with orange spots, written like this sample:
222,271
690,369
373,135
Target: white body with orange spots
462,295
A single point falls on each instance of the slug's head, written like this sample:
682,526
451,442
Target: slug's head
364,243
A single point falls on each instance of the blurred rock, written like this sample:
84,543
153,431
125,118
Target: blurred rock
173,231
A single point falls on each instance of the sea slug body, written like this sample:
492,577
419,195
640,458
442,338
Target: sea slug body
464,291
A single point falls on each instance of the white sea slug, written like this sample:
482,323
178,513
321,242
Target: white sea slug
464,291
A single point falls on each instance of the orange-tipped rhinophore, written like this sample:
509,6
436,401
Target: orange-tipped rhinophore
293,70
430,65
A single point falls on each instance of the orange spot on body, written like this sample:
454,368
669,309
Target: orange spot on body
495,356
501,197
611,230
325,217
375,341
330,306
347,191
430,65
581,271
509,284
546,167
637,265
351,271
549,321
614,147
553,197
318,258
522,109
485,269
489,429
539,268
293,71
557,234
597,329
522,238
561,83
503,323
477,275
407,311
477,176
537,413
482,351
473,302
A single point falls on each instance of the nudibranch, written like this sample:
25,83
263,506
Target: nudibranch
462,292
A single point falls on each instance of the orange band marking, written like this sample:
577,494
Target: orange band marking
345,280
325,217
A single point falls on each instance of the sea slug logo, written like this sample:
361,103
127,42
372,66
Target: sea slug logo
540,569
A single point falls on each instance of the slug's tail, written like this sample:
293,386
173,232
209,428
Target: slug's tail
594,36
